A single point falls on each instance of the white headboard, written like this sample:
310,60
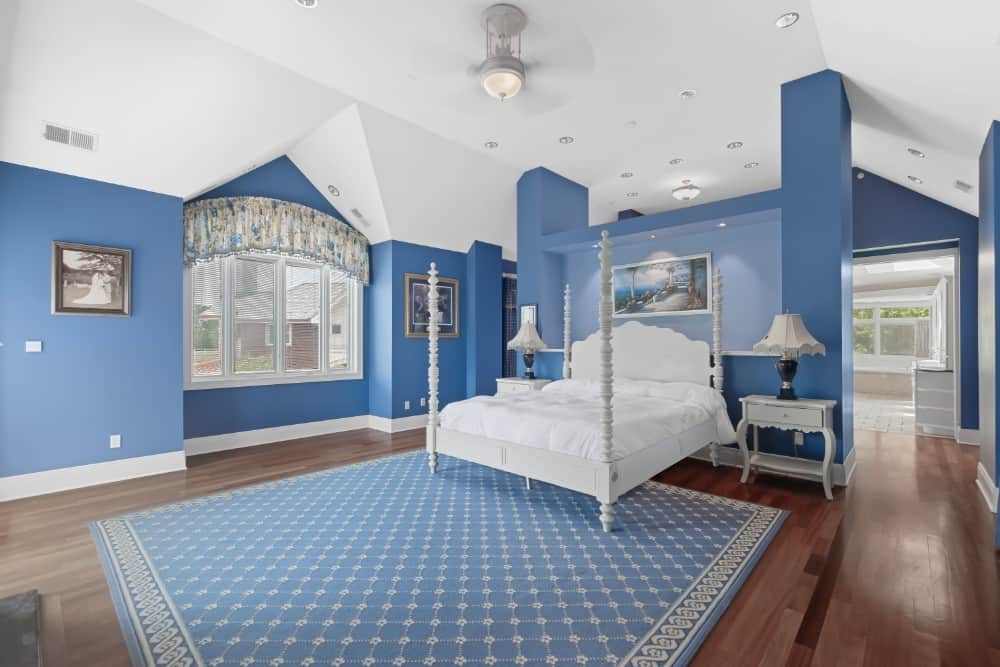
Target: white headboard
645,352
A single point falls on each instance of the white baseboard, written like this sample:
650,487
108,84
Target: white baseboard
76,477
987,487
731,456
968,436
262,436
397,425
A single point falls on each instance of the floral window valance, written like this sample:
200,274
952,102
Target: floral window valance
235,225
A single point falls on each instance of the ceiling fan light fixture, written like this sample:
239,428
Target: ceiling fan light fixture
502,76
502,72
686,191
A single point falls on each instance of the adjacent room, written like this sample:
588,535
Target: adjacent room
546,333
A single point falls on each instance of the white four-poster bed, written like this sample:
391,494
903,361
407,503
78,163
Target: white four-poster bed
548,440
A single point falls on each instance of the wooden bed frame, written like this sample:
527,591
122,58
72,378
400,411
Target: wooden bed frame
645,353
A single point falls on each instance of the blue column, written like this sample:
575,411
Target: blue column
817,239
484,331
989,301
547,203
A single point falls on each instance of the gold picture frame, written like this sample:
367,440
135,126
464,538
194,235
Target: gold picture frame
415,316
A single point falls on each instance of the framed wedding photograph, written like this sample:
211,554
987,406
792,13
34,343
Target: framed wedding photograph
416,311
91,280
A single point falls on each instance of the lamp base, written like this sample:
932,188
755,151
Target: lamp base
786,371
529,361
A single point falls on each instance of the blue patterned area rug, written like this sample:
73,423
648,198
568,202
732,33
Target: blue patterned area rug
382,563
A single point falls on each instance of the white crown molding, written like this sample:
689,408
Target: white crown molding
76,477
968,436
987,487
842,473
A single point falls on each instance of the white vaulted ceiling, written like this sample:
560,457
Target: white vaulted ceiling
375,97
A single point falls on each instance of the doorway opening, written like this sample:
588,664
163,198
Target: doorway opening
906,347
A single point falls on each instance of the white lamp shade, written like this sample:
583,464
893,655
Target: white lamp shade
527,339
789,334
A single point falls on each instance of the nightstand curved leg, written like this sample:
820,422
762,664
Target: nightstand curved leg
741,440
831,445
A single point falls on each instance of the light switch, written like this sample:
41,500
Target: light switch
32,346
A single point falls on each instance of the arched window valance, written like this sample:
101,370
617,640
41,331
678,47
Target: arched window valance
234,225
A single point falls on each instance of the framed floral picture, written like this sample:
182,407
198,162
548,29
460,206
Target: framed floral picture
417,313
91,280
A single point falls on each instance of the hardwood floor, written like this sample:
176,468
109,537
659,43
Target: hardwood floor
898,570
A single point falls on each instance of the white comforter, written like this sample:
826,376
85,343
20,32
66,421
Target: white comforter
565,416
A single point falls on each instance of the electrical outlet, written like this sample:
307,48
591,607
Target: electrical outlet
116,441
406,405
423,401
800,438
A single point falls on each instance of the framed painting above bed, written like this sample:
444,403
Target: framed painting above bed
416,315
667,286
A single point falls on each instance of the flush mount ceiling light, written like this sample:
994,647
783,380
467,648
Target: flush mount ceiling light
688,93
491,144
332,189
502,72
308,4
686,191
751,165
916,153
916,179
627,174
566,140
733,145
787,20
676,161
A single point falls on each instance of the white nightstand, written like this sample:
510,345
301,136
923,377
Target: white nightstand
514,385
807,415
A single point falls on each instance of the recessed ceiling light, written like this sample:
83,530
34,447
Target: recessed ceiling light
566,140
733,145
688,93
652,236
915,153
916,179
676,161
722,224
627,174
491,144
333,190
686,191
751,165
861,175
632,123
787,20
632,194
595,246
308,4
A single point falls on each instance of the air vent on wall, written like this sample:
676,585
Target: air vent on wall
70,137
963,187
357,214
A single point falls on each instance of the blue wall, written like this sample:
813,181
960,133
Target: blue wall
96,375
886,214
214,411
484,329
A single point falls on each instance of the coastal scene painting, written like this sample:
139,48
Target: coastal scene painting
669,286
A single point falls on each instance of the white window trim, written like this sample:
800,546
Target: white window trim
231,379
877,321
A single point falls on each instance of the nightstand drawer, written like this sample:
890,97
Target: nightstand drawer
774,414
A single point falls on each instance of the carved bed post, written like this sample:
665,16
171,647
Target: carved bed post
606,375
716,348
432,367
567,317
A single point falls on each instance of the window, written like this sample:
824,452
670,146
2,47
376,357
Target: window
893,331
262,319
